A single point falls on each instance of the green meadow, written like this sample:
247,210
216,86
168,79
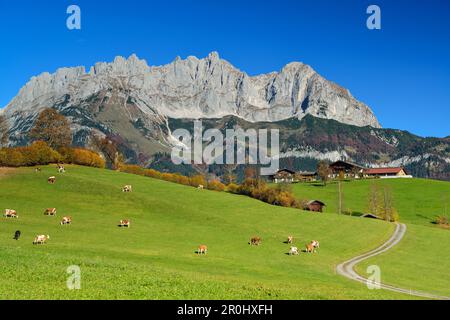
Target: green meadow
155,258
422,259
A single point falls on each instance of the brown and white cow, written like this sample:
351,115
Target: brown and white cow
124,223
66,220
61,168
202,249
290,240
51,180
312,246
127,188
41,239
255,241
50,212
293,251
9,213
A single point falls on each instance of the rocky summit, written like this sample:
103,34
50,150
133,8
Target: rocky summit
195,88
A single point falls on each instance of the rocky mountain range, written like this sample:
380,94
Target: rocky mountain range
139,106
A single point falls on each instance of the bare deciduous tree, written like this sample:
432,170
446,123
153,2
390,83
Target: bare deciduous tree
381,203
340,197
108,148
323,171
229,175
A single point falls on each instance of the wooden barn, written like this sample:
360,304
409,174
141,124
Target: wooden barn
283,176
305,176
315,206
397,172
347,168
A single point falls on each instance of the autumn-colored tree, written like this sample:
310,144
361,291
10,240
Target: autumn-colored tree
198,180
233,188
374,199
381,203
152,173
4,128
323,171
216,185
52,128
108,147
388,212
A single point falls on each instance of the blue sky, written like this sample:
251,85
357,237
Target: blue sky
401,71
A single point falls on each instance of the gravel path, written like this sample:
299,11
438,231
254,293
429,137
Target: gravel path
346,269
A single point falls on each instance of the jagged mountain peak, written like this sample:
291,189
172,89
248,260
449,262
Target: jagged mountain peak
193,88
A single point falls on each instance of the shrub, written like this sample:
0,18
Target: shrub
128,168
197,180
233,188
82,157
152,173
39,153
180,179
394,217
216,185
280,196
11,158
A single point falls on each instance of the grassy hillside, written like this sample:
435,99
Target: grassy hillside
419,262
418,201
422,259
155,259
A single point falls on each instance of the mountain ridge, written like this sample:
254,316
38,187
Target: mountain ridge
201,88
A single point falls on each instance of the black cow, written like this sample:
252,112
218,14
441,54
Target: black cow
17,235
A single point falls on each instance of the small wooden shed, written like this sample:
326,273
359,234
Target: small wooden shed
370,216
315,206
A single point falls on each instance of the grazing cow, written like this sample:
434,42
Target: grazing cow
255,241
17,235
61,169
50,212
66,220
124,223
37,170
127,188
9,213
315,244
310,248
290,240
200,187
51,180
202,249
293,251
41,239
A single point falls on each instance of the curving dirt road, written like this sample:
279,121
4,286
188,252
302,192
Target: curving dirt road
346,269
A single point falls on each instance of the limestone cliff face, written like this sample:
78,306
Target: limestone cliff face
192,88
